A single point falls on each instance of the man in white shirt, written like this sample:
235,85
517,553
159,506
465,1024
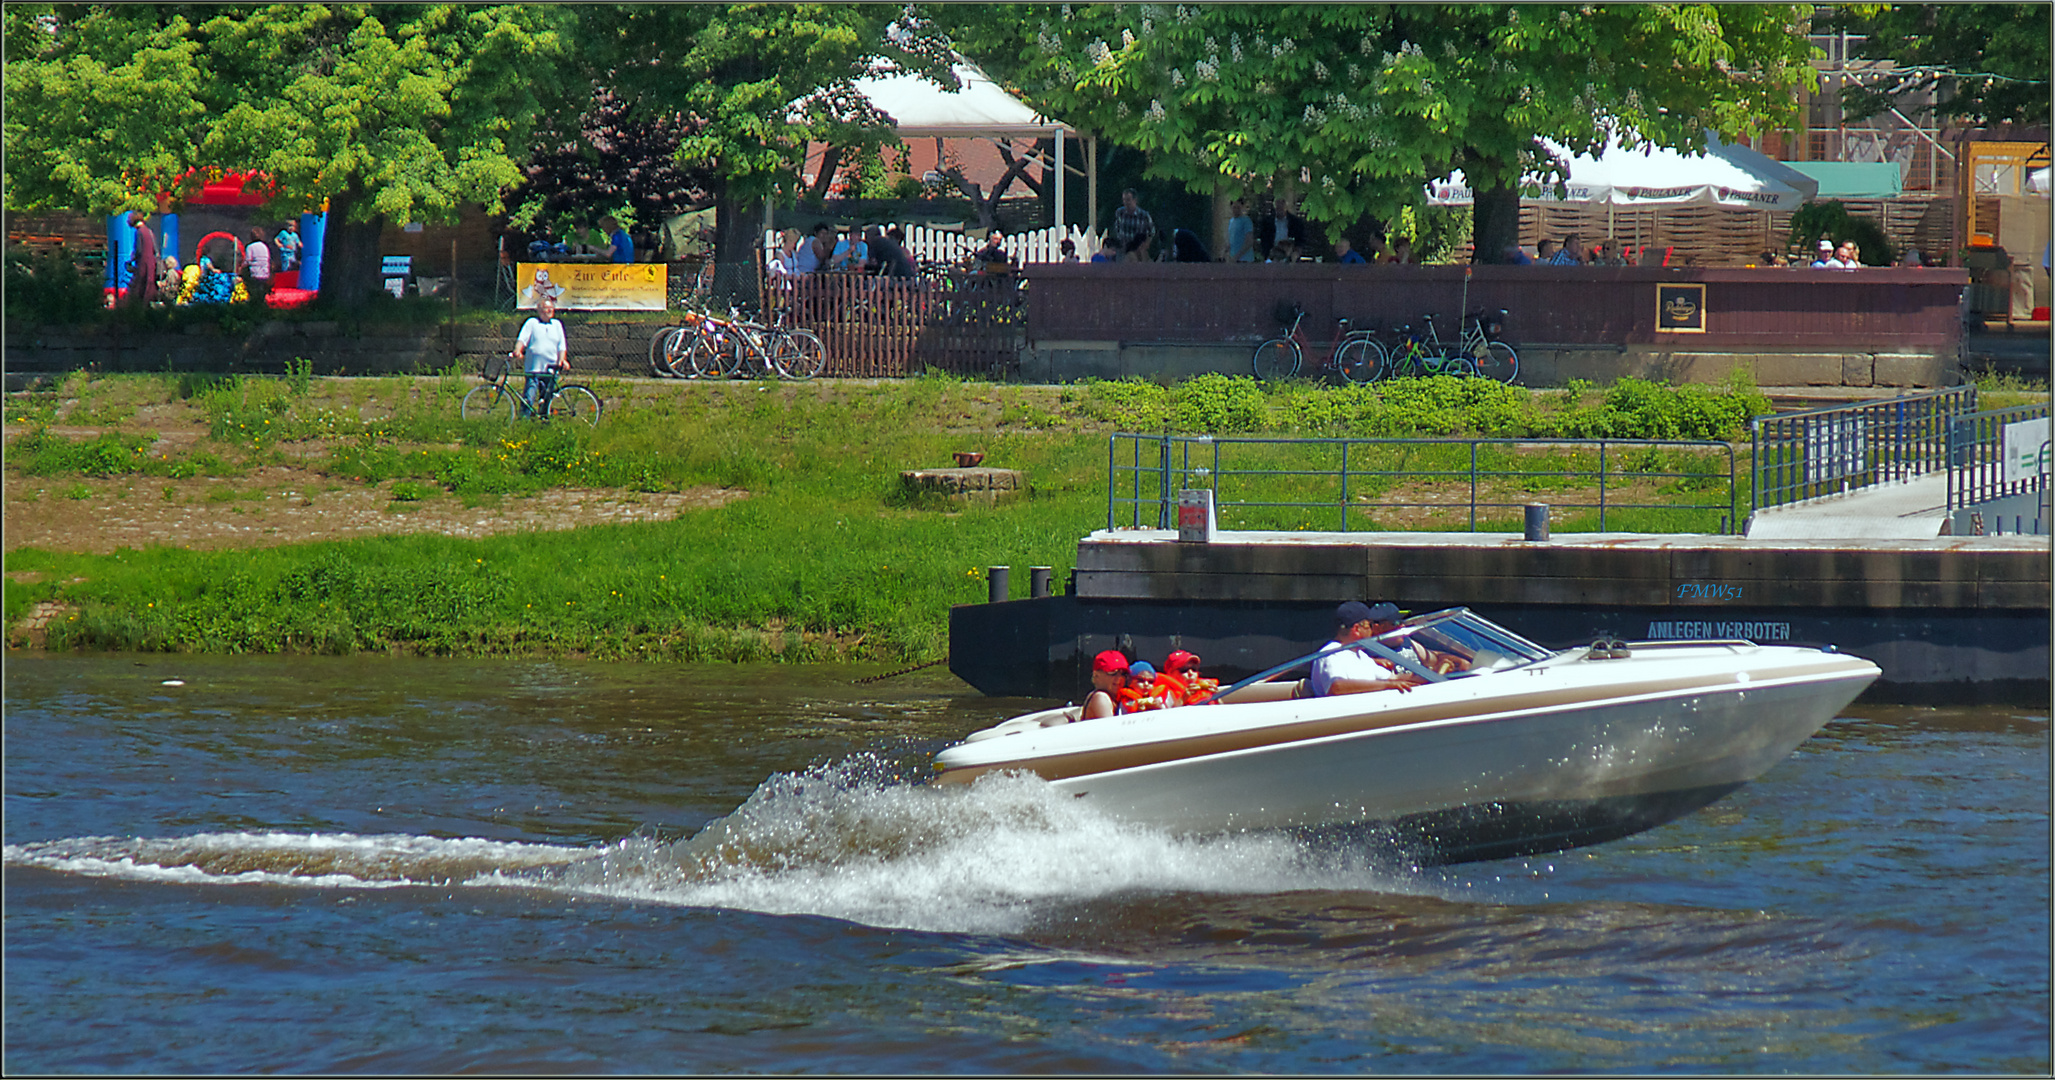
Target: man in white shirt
1343,670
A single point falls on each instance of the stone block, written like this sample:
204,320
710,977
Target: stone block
1858,370
1911,369
1799,369
973,485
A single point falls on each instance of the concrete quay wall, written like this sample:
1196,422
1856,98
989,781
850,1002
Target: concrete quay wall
1690,573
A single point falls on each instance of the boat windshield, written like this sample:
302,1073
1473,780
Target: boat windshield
1459,641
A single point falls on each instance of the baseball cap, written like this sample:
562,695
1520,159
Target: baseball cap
1110,660
1179,660
1356,611
1826,244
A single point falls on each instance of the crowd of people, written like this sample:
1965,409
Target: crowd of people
865,249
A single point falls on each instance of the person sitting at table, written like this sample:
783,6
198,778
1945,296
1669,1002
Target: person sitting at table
888,256
786,262
1108,251
813,253
1344,252
851,253
992,258
620,247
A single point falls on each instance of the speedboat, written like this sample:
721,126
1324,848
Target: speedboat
1503,748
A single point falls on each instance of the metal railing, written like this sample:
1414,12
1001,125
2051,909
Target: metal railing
1344,481
1814,452
1998,453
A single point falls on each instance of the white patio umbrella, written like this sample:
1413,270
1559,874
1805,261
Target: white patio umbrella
1725,175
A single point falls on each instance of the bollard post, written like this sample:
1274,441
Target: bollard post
998,577
1038,581
1537,521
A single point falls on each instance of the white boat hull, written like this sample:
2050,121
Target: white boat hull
1556,755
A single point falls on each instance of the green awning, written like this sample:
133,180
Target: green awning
1854,179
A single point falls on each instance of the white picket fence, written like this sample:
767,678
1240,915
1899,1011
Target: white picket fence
929,243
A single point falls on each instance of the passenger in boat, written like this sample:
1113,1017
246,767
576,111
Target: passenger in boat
1144,689
1195,688
1109,677
1342,670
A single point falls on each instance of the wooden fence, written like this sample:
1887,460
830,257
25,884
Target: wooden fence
963,323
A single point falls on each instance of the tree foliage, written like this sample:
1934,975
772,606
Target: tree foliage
612,157
1362,104
382,111
757,82
1981,63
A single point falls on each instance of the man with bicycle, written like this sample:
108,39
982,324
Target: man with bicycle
542,349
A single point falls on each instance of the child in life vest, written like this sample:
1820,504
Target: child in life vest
1138,694
1184,666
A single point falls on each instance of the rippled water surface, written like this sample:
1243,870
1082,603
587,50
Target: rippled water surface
426,866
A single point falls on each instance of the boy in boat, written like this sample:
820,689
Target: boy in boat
1109,677
1342,670
1193,688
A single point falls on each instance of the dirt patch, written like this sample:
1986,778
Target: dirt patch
282,504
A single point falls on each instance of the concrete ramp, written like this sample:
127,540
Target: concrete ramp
1906,510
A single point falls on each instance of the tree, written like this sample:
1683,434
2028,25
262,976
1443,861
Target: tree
1979,63
1361,105
611,157
383,111
758,82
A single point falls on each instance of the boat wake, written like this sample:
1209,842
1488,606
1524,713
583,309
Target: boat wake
844,840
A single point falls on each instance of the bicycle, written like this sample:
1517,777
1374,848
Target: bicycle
712,348
1357,354
1477,352
495,397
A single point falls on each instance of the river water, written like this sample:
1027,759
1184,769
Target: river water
402,866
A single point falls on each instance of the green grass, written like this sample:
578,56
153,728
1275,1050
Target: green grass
827,557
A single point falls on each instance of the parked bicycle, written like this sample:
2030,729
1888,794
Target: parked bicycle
496,397
1477,351
715,348
1356,354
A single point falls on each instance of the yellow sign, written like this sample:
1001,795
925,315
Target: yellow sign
594,286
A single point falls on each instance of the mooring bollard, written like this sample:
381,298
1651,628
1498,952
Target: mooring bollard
999,577
1537,521
1038,581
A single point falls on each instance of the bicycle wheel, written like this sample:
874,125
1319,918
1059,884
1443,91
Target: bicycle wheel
1362,360
800,354
491,399
1497,360
574,403
706,358
660,347
1276,359
752,357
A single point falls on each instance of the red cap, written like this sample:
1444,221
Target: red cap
1110,660
1180,660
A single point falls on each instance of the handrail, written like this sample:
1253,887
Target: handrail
1839,448
1977,456
1150,469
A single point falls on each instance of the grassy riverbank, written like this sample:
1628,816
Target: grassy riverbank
825,556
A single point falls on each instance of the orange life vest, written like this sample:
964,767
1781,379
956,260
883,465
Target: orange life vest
1199,689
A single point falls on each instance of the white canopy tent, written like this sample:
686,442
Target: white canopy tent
980,109
1725,175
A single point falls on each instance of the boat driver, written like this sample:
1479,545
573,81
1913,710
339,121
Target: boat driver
1342,670
1109,677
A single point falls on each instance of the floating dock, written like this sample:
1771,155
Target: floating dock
1951,620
